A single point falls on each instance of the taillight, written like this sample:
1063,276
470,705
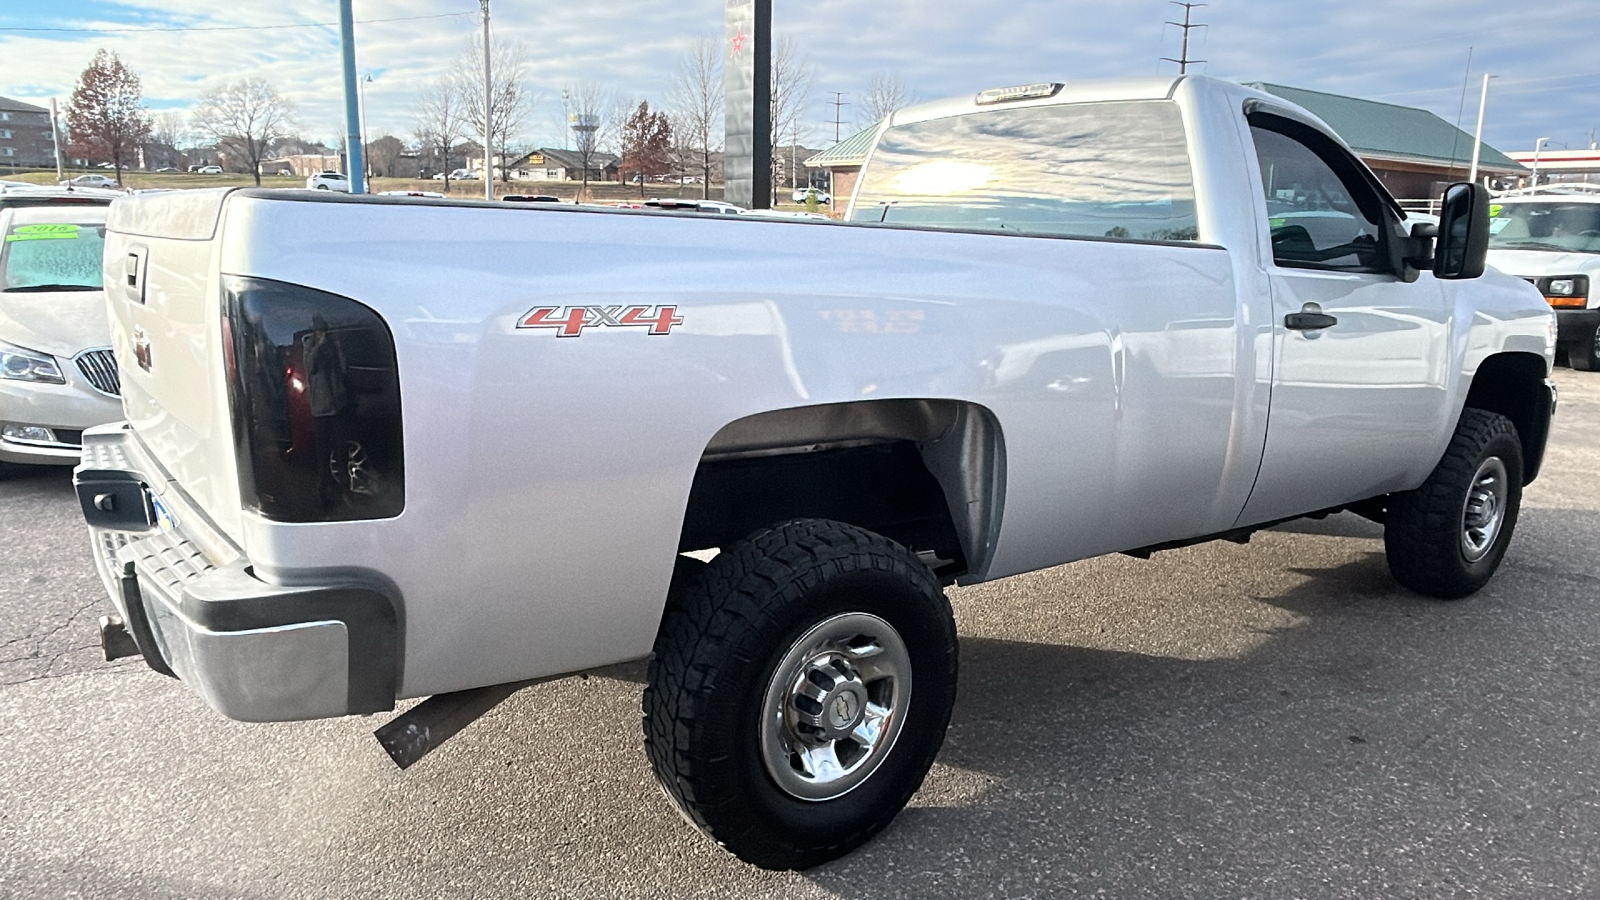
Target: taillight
315,393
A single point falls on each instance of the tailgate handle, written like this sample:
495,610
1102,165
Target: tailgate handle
134,273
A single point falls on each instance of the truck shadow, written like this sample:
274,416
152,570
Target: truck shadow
1374,722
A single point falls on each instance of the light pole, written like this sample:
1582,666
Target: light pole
362,93
1477,136
566,118
352,112
1533,179
488,107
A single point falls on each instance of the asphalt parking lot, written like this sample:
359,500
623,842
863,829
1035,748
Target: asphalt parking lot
1271,720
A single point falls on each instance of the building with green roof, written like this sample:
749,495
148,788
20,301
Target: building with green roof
1412,151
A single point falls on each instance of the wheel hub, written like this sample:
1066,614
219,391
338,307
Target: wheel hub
834,706
1484,511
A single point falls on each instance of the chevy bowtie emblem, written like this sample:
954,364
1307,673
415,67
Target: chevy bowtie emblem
141,348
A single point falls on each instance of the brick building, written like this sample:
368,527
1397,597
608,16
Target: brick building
25,139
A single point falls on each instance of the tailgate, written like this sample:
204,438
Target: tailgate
166,321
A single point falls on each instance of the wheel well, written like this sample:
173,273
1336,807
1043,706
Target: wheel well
1512,384
924,473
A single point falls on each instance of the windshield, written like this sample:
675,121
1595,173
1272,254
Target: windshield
58,256
1117,170
1564,227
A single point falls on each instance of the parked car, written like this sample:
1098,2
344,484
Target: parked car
93,181
209,170
529,198
1550,236
15,194
432,194
329,181
57,374
691,205
802,194
166,169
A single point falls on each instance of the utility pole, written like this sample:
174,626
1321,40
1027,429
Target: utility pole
354,156
838,105
1477,135
55,136
566,119
488,108
1183,59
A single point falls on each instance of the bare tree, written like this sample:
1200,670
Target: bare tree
167,131
510,101
440,121
245,118
696,101
885,94
592,115
106,116
792,77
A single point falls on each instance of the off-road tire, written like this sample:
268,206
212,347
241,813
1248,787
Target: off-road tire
1584,355
726,631
1423,533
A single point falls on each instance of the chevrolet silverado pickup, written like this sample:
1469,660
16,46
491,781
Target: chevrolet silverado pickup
384,448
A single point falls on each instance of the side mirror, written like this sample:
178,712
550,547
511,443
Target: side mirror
1463,246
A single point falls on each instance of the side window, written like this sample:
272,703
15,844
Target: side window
1322,213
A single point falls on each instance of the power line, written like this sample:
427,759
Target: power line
226,27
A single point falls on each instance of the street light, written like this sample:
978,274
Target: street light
1533,179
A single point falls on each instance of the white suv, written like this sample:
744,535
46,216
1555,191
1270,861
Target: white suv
329,181
1550,236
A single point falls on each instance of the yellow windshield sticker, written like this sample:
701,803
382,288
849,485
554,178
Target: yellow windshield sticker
1494,210
1277,222
43,233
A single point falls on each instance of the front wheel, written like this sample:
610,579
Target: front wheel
800,689
1446,538
1585,354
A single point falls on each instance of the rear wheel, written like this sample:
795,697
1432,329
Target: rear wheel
800,689
1584,355
1446,538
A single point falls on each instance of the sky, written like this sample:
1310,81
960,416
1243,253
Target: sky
1413,52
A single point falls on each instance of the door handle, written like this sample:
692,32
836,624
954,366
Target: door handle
1309,318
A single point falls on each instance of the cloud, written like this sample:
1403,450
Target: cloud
1413,53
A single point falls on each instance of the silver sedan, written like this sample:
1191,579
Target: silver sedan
57,374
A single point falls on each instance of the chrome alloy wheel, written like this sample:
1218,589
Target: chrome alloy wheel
1484,511
835,705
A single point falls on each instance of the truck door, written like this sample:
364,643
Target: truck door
1359,375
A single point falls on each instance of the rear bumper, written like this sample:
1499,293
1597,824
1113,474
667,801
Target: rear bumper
254,651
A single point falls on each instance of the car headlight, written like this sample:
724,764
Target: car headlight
1565,290
17,364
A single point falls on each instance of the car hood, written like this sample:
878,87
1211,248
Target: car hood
61,323
1534,263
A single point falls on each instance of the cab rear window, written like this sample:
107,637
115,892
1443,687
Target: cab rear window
1107,170
56,256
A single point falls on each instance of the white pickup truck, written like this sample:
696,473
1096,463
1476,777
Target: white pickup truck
385,448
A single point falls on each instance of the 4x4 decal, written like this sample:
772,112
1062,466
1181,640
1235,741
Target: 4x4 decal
570,321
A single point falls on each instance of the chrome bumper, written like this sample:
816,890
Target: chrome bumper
254,651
